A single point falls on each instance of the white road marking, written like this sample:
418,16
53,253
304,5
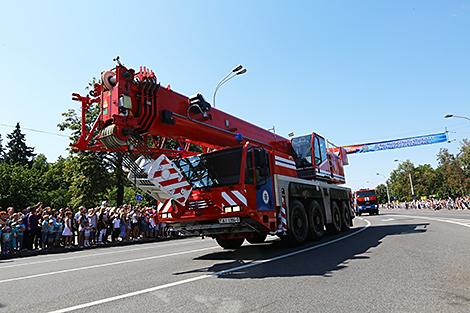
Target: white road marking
189,280
387,219
105,265
438,219
153,246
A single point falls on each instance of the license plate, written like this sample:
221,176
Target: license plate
229,220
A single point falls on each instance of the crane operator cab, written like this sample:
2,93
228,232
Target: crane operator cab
315,160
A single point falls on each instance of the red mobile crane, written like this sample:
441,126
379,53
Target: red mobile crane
245,184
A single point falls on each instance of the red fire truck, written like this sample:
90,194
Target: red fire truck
366,202
245,184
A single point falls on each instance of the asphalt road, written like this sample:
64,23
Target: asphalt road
399,261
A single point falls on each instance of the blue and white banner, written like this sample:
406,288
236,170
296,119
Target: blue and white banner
397,143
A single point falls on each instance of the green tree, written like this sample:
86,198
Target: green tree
464,160
2,152
451,173
17,150
381,192
425,180
110,161
53,185
18,186
399,181
88,179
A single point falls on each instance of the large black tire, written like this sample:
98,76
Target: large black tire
230,243
346,213
258,238
335,226
297,225
316,221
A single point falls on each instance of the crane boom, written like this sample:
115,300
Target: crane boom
134,105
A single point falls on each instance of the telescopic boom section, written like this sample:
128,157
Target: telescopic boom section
136,112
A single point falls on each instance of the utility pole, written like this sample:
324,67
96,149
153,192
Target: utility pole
386,186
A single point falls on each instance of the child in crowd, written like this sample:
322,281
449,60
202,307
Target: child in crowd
87,234
58,227
6,240
44,230
116,227
14,237
152,226
19,236
50,234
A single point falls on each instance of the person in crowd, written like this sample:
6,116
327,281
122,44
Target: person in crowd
50,233
20,237
67,233
44,230
6,240
135,218
86,234
93,224
116,224
102,225
34,228
82,222
123,226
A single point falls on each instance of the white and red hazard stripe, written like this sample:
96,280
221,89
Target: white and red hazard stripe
164,207
164,174
284,219
234,197
283,162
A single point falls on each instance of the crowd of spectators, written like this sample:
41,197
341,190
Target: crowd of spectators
39,228
459,203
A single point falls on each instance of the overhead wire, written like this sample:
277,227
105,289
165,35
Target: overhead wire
35,130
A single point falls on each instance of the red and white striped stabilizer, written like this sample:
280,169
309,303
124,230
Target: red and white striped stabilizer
283,221
168,178
234,197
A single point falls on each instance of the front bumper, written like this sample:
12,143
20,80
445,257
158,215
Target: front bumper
367,208
213,227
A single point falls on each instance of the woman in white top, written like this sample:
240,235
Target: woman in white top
67,232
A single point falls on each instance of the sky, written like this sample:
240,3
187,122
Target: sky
353,71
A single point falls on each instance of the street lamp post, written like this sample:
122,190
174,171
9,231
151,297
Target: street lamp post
411,182
386,186
456,116
239,70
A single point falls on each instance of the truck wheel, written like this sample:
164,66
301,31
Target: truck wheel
234,243
297,225
346,213
335,226
316,221
257,238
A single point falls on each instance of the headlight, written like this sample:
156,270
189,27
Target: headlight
166,215
232,208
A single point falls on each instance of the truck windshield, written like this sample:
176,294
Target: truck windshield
303,150
368,193
215,169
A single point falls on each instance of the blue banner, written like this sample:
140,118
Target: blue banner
397,143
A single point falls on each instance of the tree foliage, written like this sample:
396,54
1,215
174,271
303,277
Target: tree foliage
451,178
17,150
2,151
